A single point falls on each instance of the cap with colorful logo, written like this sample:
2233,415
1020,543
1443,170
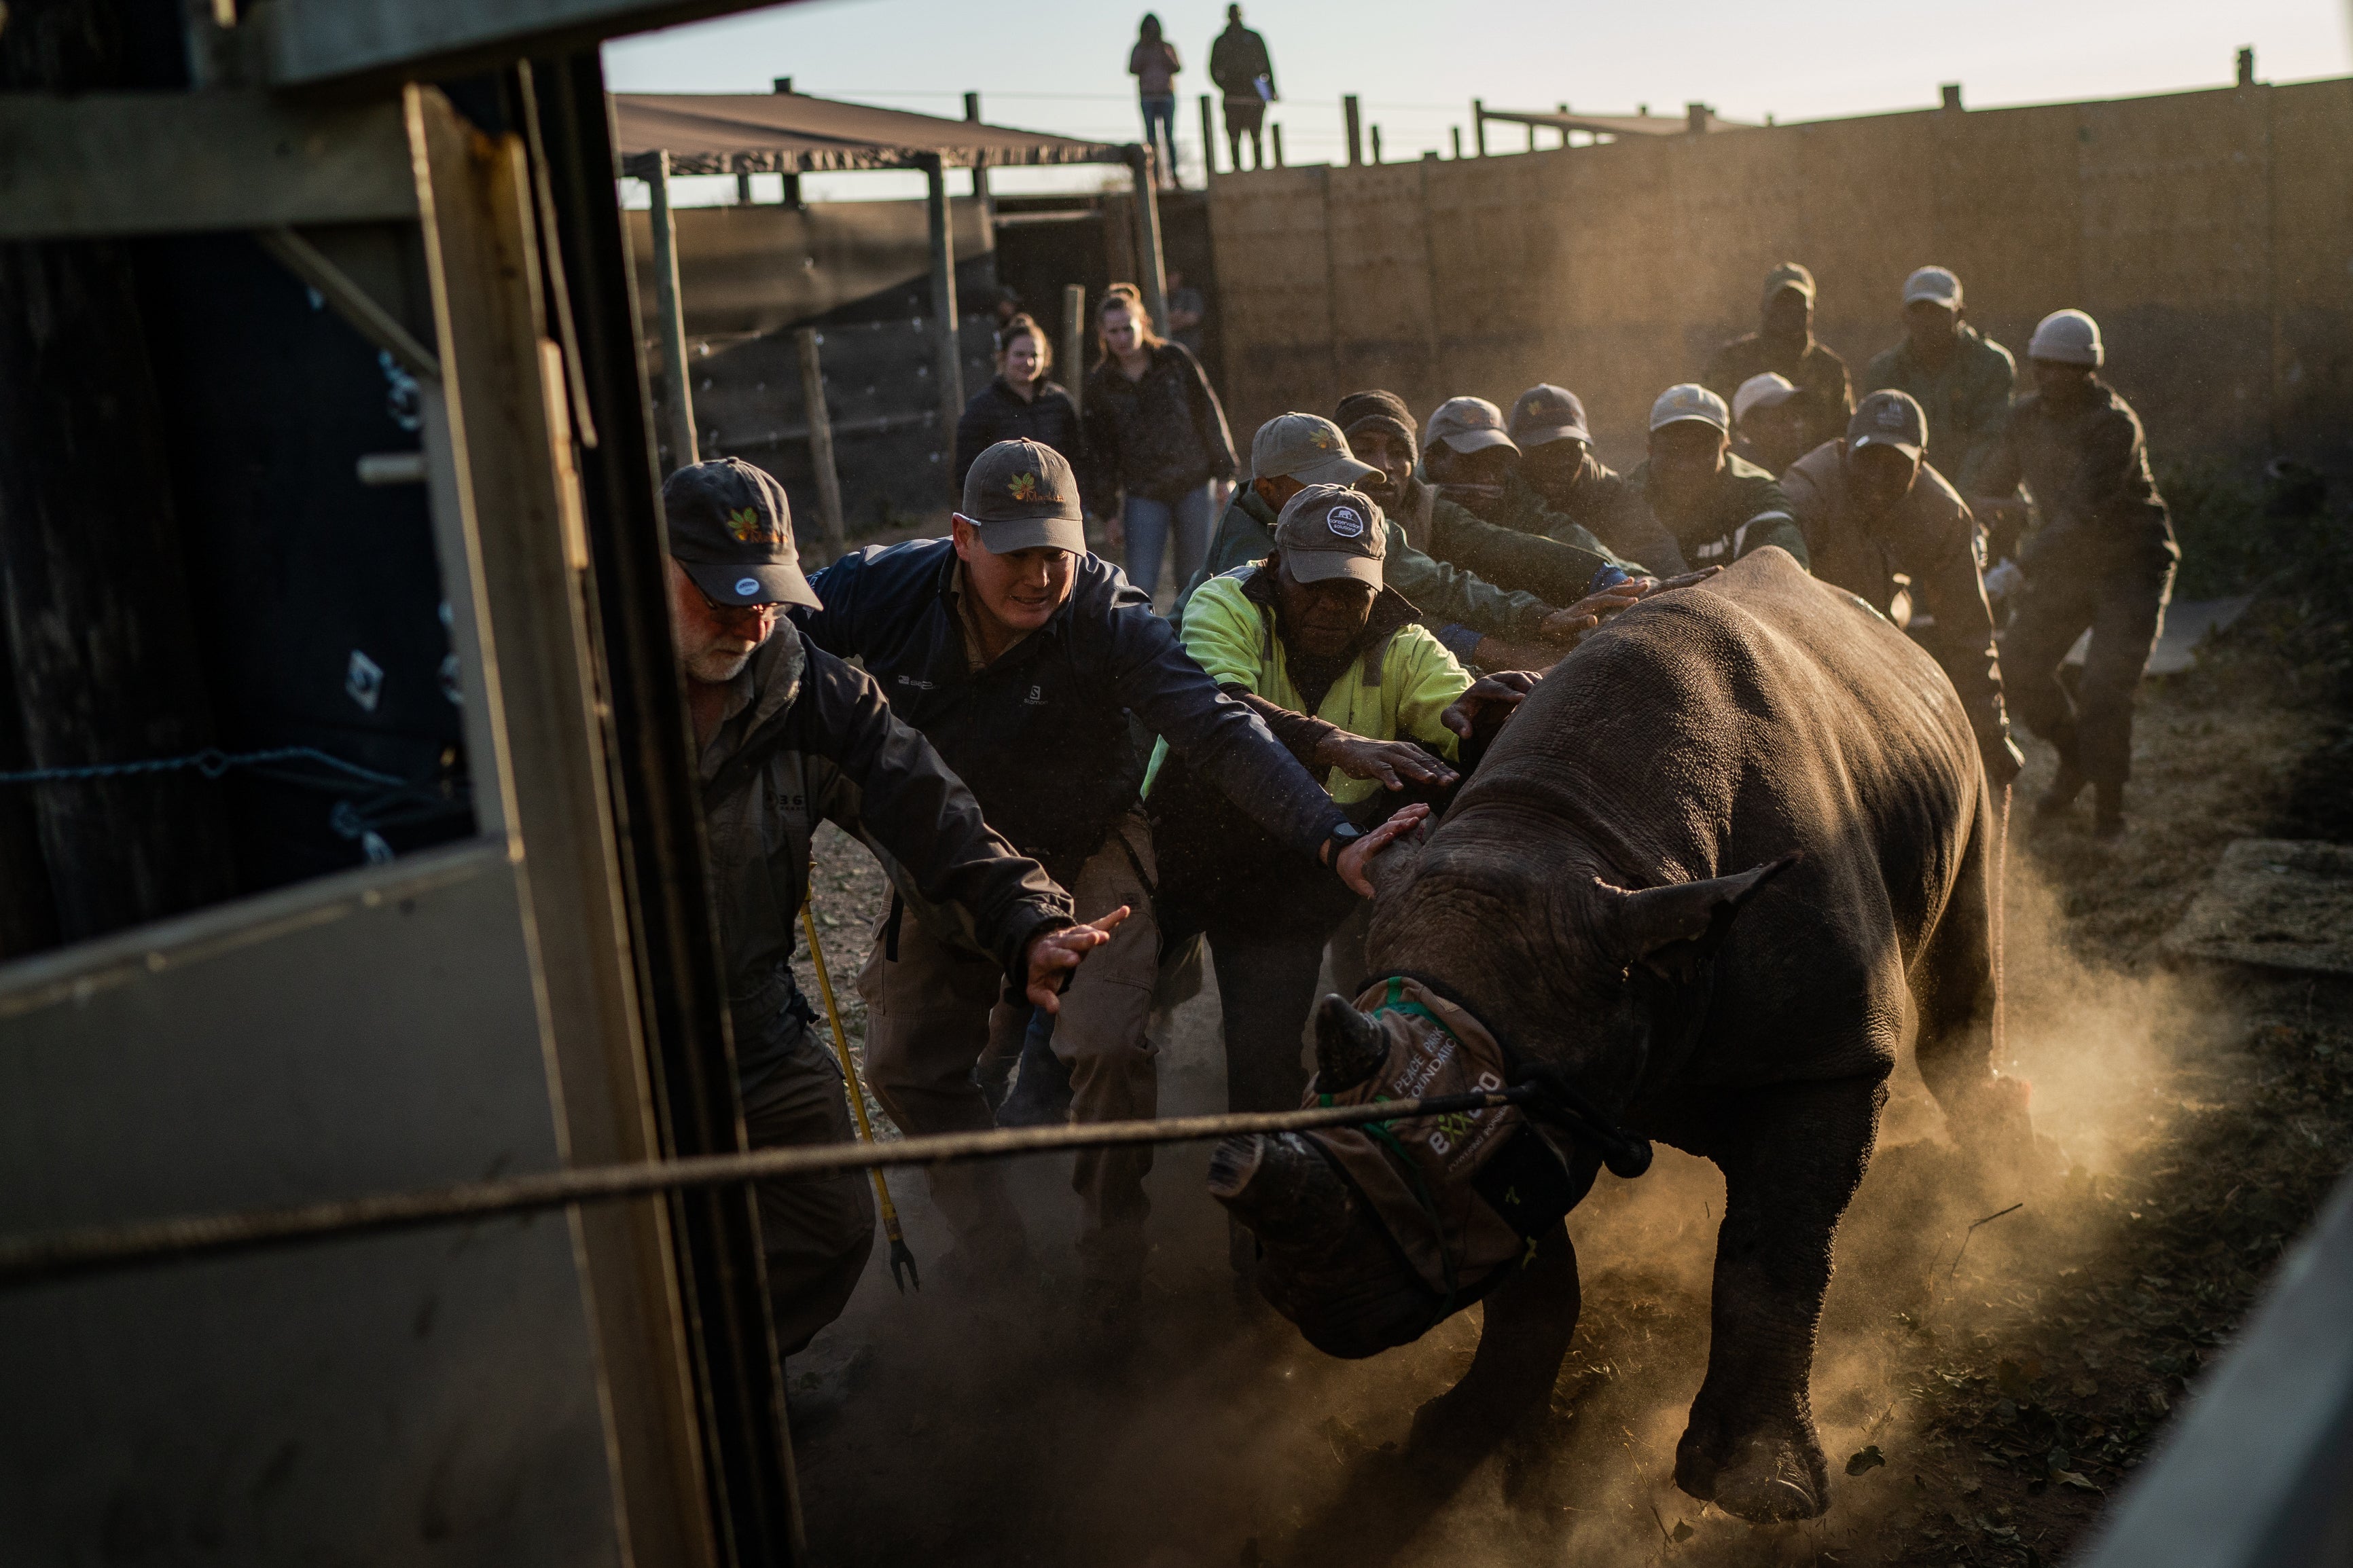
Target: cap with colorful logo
732,529
1689,400
1769,390
1308,447
1888,418
1467,424
1331,531
1545,412
1021,495
1934,286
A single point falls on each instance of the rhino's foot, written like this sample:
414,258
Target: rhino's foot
1770,1473
1470,1418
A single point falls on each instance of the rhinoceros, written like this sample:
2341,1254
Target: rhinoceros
1695,881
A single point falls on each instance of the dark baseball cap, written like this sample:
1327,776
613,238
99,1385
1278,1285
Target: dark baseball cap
1548,413
1021,495
1466,424
732,529
1888,418
1331,531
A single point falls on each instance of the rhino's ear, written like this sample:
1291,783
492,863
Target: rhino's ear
1674,930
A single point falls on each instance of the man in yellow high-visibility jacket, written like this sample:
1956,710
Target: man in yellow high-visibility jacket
1369,700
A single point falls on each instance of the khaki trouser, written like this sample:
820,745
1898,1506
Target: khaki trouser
816,1230
933,1012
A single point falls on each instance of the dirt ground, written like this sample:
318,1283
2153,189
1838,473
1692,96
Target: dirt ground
1983,1389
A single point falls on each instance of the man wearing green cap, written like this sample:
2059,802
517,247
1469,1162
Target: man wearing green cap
1784,343
787,736
1020,657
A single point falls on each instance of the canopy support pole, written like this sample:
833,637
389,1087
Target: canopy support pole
678,396
820,439
949,358
1155,281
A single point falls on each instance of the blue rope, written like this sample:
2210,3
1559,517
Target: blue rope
211,761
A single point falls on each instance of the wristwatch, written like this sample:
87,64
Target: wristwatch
1347,833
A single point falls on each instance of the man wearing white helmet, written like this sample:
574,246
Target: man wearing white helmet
1718,506
2102,559
1960,378
1769,423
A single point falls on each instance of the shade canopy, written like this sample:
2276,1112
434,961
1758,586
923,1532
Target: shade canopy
791,134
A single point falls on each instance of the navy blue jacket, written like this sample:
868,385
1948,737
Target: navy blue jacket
1041,736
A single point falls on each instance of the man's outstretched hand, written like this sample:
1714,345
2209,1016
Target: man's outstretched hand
1358,855
1057,953
1489,702
1564,626
1392,763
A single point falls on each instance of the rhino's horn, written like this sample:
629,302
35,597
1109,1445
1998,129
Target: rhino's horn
1277,1186
1349,1047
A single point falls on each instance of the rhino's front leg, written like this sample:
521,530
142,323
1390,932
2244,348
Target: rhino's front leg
1791,1157
1529,1320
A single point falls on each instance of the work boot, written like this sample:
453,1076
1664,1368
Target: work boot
2061,793
2108,811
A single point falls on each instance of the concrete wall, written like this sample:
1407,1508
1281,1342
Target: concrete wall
2211,233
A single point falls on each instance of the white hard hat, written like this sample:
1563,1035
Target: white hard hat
1767,391
2067,337
1935,284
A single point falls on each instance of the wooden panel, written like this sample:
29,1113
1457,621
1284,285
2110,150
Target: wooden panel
1618,270
2312,262
1268,233
2177,261
178,163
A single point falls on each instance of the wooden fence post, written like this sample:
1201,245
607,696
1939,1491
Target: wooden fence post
1151,275
677,392
1355,134
820,440
1209,143
1074,342
948,356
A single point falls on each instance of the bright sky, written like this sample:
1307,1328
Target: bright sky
1060,65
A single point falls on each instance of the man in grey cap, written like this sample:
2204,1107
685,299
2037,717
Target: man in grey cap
1314,631
1020,656
1886,527
1513,541
2101,559
1961,379
1784,342
1717,505
787,736
1558,468
1477,621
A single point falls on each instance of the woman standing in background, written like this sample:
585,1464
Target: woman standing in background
1020,405
1154,65
1154,436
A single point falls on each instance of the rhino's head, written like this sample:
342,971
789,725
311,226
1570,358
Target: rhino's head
1574,981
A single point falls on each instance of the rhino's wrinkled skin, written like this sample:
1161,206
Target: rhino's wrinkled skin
1704,734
